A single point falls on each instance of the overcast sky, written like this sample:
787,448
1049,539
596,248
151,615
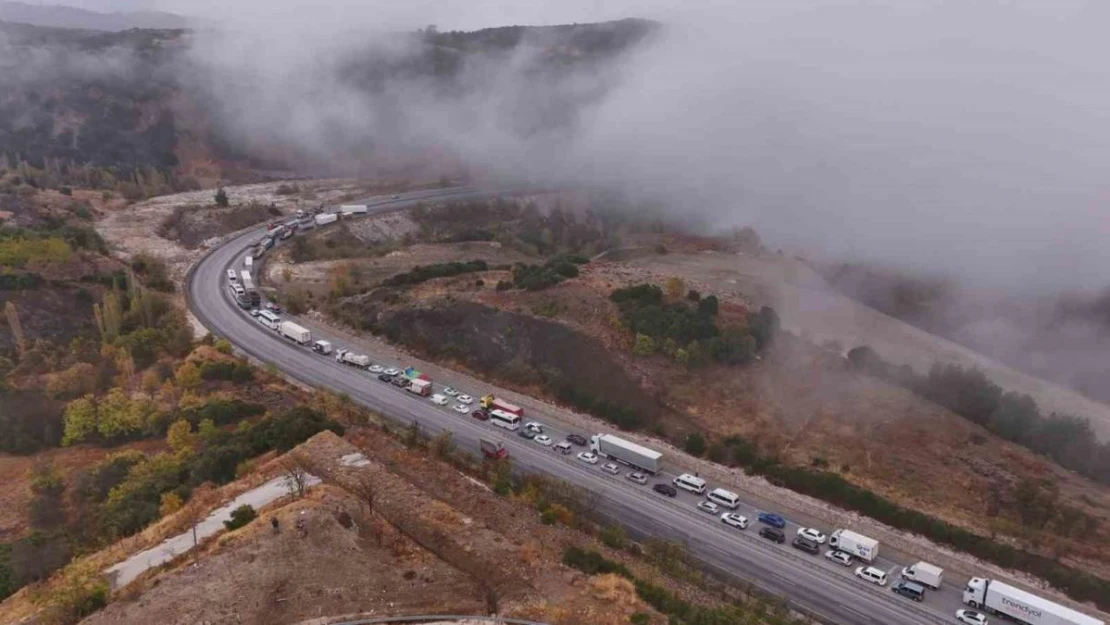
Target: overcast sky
971,138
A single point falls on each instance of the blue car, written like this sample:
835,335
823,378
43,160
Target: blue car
773,520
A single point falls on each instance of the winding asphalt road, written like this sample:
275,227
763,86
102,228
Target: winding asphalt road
807,582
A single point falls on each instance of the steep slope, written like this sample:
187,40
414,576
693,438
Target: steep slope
810,308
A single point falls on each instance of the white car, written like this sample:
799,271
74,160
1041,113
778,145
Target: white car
610,467
708,506
532,426
461,409
735,520
450,391
439,400
465,399
543,439
843,558
638,477
588,457
872,574
375,368
812,534
971,617
392,371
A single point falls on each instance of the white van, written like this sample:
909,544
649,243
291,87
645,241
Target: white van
691,483
232,277
724,497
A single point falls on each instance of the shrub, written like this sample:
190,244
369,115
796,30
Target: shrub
423,273
240,517
695,444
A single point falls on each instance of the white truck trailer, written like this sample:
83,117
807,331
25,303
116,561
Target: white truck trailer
860,546
294,332
626,452
995,597
924,573
324,219
347,357
353,209
246,280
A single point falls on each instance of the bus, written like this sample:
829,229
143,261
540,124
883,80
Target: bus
503,419
269,319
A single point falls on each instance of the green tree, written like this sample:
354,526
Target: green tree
79,420
181,438
674,287
221,198
645,345
709,306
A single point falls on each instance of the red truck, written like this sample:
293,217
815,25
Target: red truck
489,402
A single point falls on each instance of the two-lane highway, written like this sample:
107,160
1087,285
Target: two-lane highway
804,580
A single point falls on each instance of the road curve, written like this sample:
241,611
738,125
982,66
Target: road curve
804,581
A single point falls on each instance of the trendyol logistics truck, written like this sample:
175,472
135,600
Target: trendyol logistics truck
862,547
998,598
627,452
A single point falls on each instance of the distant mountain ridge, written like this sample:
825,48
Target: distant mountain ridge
58,16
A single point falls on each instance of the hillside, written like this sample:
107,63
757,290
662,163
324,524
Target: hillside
143,113
446,283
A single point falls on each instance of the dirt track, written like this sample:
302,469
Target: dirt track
810,308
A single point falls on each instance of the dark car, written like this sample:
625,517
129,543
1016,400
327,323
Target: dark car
385,377
772,519
804,544
577,439
526,433
400,381
909,589
481,415
665,489
773,533
273,306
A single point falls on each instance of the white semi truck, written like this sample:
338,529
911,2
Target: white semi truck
347,357
353,209
626,452
294,332
860,546
995,597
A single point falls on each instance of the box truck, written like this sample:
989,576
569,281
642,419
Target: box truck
493,449
324,219
347,357
294,332
924,573
489,402
995,597
626,452
322,347
864,548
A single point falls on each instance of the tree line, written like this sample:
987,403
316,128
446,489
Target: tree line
968,392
